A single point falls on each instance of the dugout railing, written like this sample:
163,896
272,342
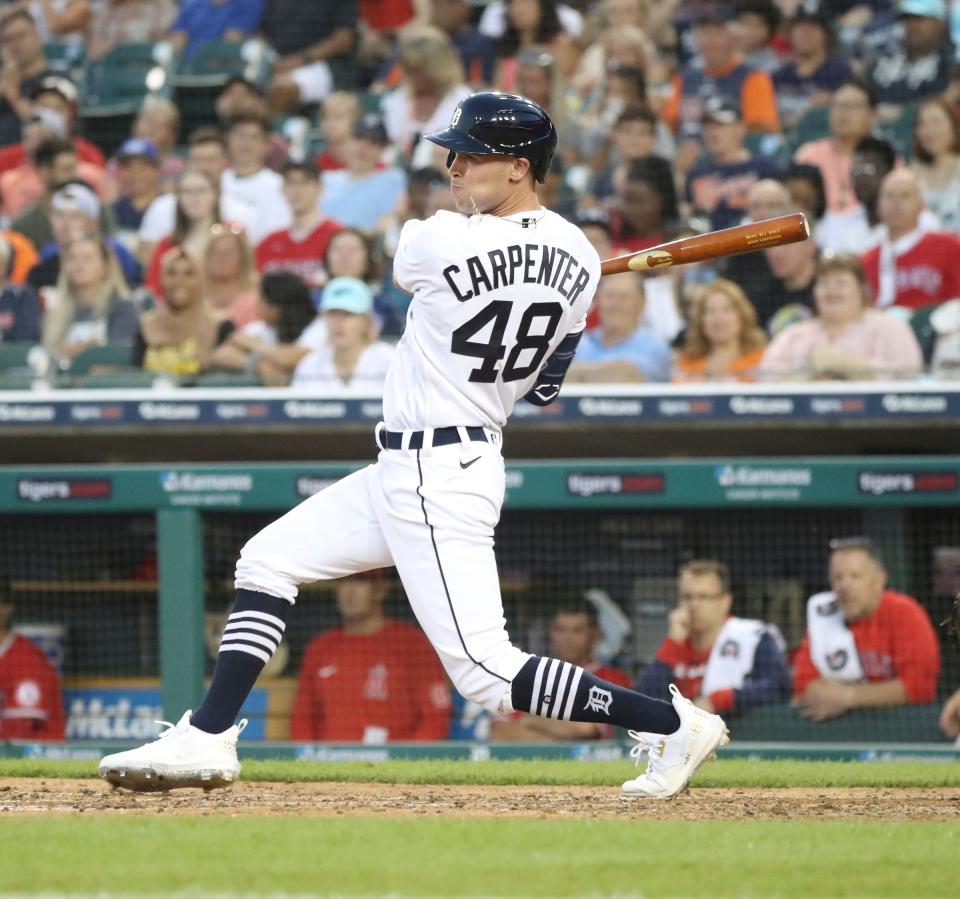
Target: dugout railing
119,571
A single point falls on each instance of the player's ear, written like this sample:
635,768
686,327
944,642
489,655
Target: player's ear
521,168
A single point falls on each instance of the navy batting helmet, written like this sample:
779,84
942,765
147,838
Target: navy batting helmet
500,124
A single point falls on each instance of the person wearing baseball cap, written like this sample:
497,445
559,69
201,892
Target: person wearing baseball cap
59,93
365,191
816,69
916,65
717,185
138,170
351,355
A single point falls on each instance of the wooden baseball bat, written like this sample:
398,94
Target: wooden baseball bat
773,232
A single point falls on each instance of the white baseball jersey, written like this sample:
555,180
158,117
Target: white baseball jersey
492,298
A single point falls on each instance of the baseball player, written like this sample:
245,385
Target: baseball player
500,292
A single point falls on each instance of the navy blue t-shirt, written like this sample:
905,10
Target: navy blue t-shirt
794,91
19,314
720,191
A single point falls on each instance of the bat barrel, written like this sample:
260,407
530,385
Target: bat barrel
775,232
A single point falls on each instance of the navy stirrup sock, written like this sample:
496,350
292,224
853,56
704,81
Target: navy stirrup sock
252,634
554,689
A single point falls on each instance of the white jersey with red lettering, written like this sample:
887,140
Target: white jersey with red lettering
492,299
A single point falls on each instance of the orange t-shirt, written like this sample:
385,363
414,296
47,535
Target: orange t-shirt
742,368
25,256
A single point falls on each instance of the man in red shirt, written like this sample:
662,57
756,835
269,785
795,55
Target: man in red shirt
911,266
574,634
301,247
31,705
865,645
371,680
718,661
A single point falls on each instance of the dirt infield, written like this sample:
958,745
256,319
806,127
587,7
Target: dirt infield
25,796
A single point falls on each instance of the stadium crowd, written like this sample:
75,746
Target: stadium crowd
257,242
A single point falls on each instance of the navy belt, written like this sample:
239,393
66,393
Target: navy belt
441,437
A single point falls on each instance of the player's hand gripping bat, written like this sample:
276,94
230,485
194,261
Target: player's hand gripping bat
773,232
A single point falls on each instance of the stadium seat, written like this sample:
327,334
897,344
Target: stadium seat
116,380
16,382
115,355
14,355
923,330
813,125
227,379
68,59
900,131
117,85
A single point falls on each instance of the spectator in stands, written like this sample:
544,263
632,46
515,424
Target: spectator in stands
646,207
720,662
341,111
723,341
633,137
285,308
308,38
848,339
620,349
853,112
936,160
32,707
241,95
865,645
75,212
477,50
950,716
128,22
24,67
574,635
61,21
804,183
910,267
794,269
230,274
301,247
432,84
138,164
858,228
196,210
350,254
90,305
351,354
363,193
757,24
809,79
201,21
532,23
55,161
249,181
414,204
495,20
917,64
718,71
159,122
374,679
179,336
718,184
19,308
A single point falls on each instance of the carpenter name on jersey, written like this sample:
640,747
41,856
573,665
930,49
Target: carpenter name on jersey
528,263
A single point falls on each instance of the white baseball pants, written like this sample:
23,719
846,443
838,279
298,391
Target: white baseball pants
432,513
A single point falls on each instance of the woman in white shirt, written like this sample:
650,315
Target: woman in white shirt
936,160
351,357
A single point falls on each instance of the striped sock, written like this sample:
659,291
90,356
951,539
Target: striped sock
253,633
554,689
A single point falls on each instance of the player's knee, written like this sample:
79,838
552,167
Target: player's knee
256,569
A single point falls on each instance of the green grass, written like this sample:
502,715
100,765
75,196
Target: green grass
432,857
726,773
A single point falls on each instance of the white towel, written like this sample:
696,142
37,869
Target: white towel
889,251
832,647
731,658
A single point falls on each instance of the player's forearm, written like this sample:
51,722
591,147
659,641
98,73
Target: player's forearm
884,693
551,376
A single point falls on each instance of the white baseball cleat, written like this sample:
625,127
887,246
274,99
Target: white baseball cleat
672,760
182,756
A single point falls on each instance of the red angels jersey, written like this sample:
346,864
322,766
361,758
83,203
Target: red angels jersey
493,297
896,641
383,686
31,705
282,251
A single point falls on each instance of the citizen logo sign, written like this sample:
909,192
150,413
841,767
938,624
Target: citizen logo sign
203,482
24,412
834,405
228,411
756,476
39,490
314,409
761,405
169,411
914,403
671,408
611,407
588,484
882,483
